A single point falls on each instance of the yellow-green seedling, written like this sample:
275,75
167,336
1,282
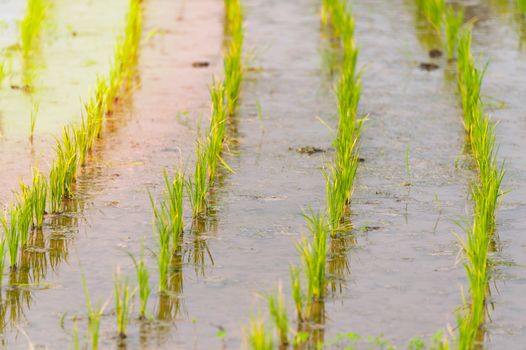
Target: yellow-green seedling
143,280
297,293
197,185
123,302
31,25
162,228
2,258
433,11
278,314
33,121
259,338
39,191
24,212
174,204
313,254
12,237
216,137
453,23
94,316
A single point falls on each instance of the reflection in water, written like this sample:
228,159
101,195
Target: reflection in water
311,333
426,34
338,267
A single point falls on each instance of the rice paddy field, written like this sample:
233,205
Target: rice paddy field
262,174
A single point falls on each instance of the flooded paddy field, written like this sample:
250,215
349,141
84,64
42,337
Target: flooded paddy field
212,147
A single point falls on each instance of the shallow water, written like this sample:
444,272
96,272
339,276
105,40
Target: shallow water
397,273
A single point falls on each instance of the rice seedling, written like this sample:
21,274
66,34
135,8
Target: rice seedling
24,212
174,204
297,293
453,23
216,137
433,11
11,234
94,315
31,25
521,6
143,281
123,297
313,254
33,121
233,65
197,186
259,337
278,313
3,72
2,258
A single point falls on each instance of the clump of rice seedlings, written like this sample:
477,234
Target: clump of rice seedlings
31,25
94,315
11,234
163,229
297,293
278,313
2,258
197,186
123,297
233,64
33,121
453,23
3,72
313,255
24,212
259,338
433,11
174,204
143,281
216,137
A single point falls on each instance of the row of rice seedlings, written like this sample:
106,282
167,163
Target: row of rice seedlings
486,193
521,6
341,174
445,20
339,185
76,142
31,25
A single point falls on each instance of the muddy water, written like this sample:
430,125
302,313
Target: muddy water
77,41
396,273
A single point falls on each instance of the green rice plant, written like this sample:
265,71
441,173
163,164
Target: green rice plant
433,11
3,72
31,24
143,281
216,137
94,316
521,6
24,212
453,23
278,313
39,191
11,234
33,121
2,258
123,298
163,230
233,65
197,186
297,293
174,204
259,337
56,185
314,254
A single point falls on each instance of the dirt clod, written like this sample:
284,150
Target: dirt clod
200,64
427,66
435,53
